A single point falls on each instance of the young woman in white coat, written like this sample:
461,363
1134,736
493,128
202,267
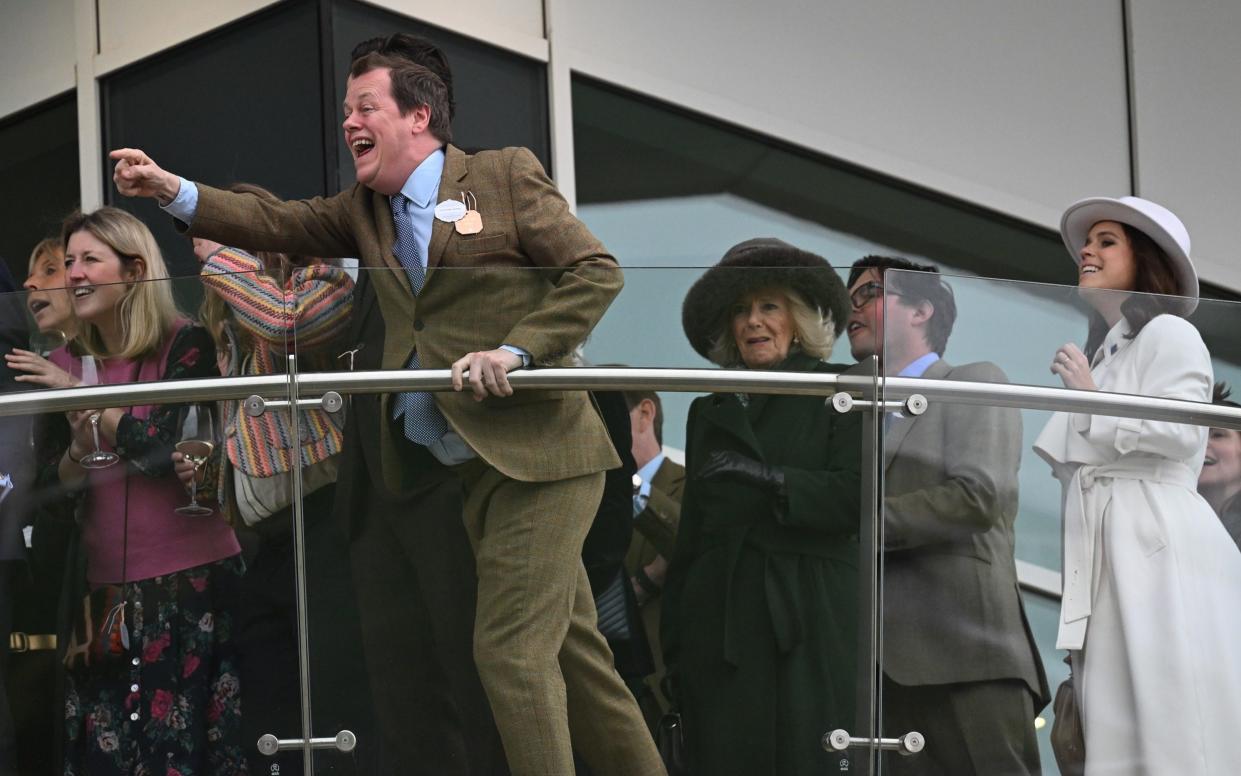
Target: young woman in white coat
1151,579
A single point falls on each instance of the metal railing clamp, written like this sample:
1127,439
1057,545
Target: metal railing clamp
843,402
840,740
329,402
344,741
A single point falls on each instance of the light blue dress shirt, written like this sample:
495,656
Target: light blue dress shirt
918,366
185,204
420,190
915,368
646,474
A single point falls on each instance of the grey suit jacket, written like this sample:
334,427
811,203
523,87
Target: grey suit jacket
951,607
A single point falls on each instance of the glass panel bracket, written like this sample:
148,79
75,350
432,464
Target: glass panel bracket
843,402
344,741
840,740
329,402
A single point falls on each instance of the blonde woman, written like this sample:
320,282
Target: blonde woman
48,301
163,698
51,307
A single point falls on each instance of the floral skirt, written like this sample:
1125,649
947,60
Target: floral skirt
170,706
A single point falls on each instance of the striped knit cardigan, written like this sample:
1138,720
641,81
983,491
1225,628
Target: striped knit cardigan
306,317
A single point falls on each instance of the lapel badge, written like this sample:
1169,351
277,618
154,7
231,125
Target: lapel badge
471,222
450,211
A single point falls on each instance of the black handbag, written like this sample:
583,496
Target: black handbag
1068,741
670,738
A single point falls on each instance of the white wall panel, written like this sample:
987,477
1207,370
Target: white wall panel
1014,105
516,25
1187,98
130,30
36,52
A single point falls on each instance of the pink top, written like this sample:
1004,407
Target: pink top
160,541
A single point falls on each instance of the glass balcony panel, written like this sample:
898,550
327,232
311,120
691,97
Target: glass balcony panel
973,516
278,314
131,577
760,597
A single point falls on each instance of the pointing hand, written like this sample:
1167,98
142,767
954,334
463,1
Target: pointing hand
137,175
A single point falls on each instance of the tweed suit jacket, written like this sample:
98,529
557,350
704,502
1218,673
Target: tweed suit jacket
951,606
534,278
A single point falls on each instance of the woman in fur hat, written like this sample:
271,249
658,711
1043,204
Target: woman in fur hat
760,617
1151,577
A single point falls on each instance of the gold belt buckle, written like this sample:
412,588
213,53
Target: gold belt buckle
25,642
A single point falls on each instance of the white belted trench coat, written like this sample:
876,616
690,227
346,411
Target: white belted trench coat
1151,578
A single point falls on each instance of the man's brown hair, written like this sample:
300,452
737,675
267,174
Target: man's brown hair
416,49
412,86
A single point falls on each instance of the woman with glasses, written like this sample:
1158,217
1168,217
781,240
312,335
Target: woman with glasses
759,625
1149,610
152,681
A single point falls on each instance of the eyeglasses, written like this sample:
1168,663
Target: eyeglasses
867,293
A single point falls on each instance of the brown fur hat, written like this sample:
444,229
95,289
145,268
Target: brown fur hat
763,262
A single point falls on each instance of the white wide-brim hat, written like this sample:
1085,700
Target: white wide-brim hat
1155,221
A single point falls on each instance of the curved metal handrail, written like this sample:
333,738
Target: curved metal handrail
617,378
1036,397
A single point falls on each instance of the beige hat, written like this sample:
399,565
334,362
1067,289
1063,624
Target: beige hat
1155,221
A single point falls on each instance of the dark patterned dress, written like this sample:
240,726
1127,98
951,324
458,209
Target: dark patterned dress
170,706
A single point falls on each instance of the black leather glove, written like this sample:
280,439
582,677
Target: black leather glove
727,464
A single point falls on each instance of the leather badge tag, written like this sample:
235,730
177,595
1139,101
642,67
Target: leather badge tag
470,223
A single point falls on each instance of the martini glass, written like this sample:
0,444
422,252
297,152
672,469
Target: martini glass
197,442
97,458
44,342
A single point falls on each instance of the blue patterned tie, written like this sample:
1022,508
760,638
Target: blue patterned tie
424,423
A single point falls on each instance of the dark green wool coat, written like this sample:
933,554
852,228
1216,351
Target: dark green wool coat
760,609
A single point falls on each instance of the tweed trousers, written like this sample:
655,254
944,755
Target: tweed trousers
547,670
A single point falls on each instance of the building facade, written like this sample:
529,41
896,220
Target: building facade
952,132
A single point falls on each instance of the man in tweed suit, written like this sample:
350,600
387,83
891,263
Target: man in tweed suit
960,664
531,464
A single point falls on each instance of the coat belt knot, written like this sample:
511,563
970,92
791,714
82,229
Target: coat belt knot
1086,502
